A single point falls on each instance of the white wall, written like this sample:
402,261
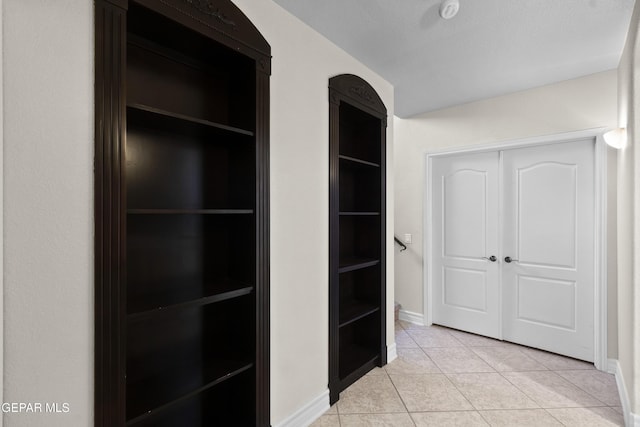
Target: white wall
48,194
629,217
302,62
48,213
583,103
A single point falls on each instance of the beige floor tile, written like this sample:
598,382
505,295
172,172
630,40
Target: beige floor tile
618,409
556,362
403,340
377,371
550,390
433,337
327,421
504,359
588,417
375,420
408,325
473,340
599,384
491,391
370,394
333,410
520,418
397,326
429,392
457,360
448,419
412,361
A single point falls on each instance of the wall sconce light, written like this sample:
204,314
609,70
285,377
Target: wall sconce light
617,138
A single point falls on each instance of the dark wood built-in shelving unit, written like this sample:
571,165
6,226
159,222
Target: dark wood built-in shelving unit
357,285
182,215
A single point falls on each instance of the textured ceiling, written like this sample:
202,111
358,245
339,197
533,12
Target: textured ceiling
492,47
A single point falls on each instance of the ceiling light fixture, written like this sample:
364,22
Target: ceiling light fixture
617,138
449,8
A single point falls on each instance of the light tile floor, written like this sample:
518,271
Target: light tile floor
443,377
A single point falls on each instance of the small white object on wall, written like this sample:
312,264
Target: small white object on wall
449,8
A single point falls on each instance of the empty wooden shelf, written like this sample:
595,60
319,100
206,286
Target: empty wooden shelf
182,236
357,285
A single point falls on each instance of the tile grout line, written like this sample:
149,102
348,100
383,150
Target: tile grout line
551,415
399,395
586,391
463,345
520,390
545,368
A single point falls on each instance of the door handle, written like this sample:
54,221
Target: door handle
509,260
492,258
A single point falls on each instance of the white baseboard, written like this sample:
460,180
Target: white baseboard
392,353
411,317
630,419
306,415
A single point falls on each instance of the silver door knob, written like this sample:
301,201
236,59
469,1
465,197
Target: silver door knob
509,260
492,258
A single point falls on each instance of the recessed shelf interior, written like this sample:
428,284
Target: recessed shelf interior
191,224
359,187
180,71
174,259
359,238
173,170
357,232
360,344
233,401
360,134
171,356
359,295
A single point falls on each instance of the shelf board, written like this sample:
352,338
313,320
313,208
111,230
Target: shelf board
188,119
206,300
352,263
359,213
353,357
356,310
148,405
189,211
359,161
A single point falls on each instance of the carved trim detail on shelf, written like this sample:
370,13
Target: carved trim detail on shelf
363,93
333,97
208,8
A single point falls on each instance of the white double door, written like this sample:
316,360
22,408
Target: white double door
513,245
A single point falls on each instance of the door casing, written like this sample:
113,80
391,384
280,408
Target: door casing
600,232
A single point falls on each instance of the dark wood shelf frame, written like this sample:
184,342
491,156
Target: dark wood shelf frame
359,213
352,264
357,244
152,76
226,370
188,119
358,161
355,311
189,211
190,304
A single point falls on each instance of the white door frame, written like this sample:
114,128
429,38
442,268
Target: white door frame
600,265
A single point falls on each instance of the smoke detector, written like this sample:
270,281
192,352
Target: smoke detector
449,8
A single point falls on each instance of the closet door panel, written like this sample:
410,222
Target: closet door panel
466,289
549,234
